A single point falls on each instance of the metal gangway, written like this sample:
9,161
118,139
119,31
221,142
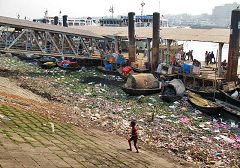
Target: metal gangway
23,36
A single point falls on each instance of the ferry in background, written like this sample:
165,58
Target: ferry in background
140,21
81,21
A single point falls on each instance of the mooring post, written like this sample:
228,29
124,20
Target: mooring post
220,47
116,44
65,24
148,49
131,37
55,20
156,41
169,42
233,52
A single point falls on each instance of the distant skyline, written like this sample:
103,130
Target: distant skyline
97,8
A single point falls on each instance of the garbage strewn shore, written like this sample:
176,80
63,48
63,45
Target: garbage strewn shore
98,99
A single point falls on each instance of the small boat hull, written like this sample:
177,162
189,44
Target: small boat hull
69,67
138,92
229,99
212,109
229,108
206,95
47,66
47,62
141,70
173,91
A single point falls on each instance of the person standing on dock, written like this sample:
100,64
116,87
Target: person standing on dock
191,55
188,55
212,58
137,50
207,57
145,52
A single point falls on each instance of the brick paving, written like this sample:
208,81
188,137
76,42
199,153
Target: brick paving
27,140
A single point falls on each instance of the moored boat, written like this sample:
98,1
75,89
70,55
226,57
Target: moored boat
139,70
229,98
207,94
138,92
69,65
229,108
47,62
204,105
173,90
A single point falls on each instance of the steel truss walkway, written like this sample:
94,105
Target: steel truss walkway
41,38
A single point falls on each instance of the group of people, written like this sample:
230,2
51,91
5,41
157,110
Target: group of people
111,60
209,58
181,55
190,55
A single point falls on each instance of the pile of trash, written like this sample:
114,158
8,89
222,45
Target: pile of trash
176,127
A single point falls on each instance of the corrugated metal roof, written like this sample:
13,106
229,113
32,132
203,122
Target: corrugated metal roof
180,34
41,26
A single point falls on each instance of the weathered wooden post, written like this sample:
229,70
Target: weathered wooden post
131,37
220,46
156,41
55,20
233,52
167,59
65,24
116,44
148,49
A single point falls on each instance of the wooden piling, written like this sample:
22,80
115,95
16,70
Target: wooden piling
131,37
233,52
156,41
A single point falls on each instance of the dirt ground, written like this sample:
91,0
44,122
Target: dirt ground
11,88
70,146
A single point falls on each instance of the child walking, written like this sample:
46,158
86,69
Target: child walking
134,136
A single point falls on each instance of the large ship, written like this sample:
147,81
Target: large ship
81,21
122,21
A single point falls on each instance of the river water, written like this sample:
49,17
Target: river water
199,49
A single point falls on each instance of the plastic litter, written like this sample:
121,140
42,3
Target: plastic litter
4,117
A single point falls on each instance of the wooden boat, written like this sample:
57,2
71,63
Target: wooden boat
173,91
229,99
204,105
47,62
108,72
138,92
68,65
206,94
229,108
138,70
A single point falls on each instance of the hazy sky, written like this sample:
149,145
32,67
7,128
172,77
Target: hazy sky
76,8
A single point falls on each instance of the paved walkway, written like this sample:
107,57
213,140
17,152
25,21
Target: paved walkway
28,140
